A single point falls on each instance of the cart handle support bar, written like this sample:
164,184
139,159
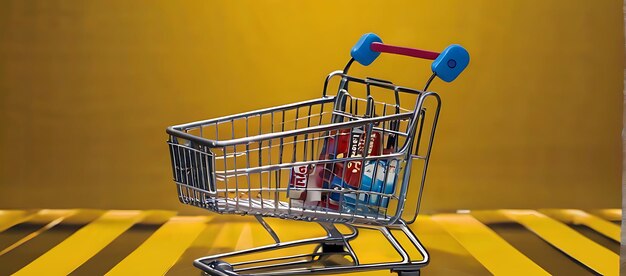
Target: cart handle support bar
405,51
447,65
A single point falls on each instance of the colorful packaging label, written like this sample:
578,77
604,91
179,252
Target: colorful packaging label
379,176
318,176
345,177
352,173
299,178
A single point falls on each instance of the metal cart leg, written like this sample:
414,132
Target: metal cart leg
329,251
333,254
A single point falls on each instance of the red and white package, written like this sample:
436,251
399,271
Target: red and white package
298,181
305,182
351,173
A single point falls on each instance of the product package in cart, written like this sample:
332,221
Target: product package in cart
377,185
345,176
306,181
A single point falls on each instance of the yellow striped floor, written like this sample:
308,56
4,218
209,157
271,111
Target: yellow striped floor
157,242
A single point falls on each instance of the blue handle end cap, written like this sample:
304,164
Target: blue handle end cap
451,62
362,53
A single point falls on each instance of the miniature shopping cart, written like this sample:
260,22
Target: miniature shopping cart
342,161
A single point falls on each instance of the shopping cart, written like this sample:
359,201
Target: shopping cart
342,161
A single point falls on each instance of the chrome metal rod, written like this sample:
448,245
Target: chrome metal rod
268,228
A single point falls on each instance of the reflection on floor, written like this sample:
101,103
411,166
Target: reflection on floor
155,242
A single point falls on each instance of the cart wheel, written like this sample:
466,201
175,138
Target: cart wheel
221,266
409,273
332,248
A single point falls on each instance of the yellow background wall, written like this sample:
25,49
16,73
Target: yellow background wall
88,87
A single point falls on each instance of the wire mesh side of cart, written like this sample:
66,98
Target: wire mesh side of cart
244,163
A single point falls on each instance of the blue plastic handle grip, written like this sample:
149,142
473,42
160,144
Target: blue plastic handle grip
451,62
362,52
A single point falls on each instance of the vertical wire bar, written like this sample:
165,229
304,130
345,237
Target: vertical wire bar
236,178
295,151
173,154
196,168
312,150
346,161
260,195
386,208
374,178
347,155
280,161
261,162
379,198
419,135
314,139
196,171
323,137
224,155
269,159
295,138
186,166
368,134
427,157
173,158
396,124
202,173
331,166
179,173
384,127
248,166
207,171
321,114
225,177
370,113
188,172
232,131
306,135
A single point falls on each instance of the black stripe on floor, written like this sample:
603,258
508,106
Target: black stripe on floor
117,250
596,237
22,255
542,253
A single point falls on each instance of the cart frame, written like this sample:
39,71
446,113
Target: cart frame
204,158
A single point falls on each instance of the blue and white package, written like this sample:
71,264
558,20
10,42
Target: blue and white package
378,183
338,184
368,183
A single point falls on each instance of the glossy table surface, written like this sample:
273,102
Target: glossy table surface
157,242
